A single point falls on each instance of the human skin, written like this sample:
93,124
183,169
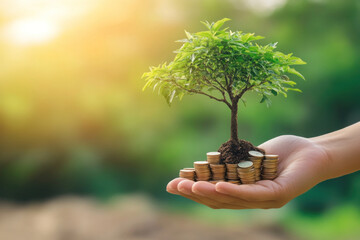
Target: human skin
303,163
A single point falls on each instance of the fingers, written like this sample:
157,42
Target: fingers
185,189
208,190
261,191
173,187
173,184
264,194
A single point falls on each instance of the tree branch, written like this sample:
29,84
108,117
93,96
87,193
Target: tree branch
202,93
220,85
238,96
212,97
212,85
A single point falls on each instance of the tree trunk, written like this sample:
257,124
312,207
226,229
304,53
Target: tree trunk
234,123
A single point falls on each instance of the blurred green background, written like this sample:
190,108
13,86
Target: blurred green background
73,119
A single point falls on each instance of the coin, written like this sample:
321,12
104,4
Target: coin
231,166
213,157
202,171
265,161
188,174
222,166
200,163
256,154
245,164
213,154
271,156
188,168
218,171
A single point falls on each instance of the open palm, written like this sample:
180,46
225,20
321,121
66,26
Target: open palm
301,163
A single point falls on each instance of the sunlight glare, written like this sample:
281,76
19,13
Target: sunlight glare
30,31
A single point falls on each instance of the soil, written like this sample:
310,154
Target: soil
233,152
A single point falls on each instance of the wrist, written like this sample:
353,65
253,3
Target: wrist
341,150
326,160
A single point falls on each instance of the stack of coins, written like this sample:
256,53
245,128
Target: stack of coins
213,157
202,171
218,172
231,173
187,173
189,168
270,166
256,157
246,172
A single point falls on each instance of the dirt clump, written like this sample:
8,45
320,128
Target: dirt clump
233,152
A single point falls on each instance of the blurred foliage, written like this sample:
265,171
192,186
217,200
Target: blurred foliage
73,118
339,223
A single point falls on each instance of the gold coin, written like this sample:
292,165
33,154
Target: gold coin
245,164
213,154
201,163
256,154
271,156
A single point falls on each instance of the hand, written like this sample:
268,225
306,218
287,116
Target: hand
301,166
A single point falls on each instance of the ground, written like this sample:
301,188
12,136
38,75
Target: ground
125,218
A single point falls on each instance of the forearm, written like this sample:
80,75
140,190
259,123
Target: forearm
343,150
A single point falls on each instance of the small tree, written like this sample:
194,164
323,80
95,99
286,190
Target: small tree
224,65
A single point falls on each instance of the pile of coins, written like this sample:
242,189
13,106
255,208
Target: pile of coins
257,167
270,167
213,157
202,171
218,172
246,172
231,173
187,173
256,157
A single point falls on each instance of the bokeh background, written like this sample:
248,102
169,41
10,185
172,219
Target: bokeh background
85,154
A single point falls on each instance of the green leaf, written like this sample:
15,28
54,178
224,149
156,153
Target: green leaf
263,99
294,89
266,100
206,34
291,83
285,77
172,95
188,35
296,61
148,83
206,24
182,40
273,45
250,37
293,71
217,25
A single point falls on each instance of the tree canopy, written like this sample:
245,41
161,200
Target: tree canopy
223,65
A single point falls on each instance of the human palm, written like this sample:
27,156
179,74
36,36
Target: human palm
301,166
